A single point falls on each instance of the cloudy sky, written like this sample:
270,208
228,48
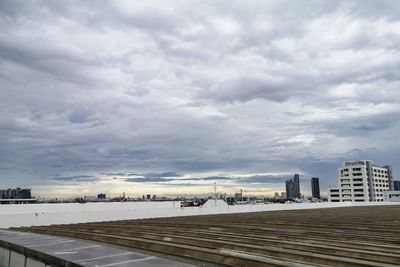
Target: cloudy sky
168,97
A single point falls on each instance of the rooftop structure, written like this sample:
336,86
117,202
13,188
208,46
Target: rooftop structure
18,249
351,236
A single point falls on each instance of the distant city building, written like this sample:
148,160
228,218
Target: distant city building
230,200
315,187
89,198
293,187
276,195
16,193
283,195
396,185
361,181
101,196
239,196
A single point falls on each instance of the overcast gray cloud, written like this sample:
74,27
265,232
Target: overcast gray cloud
176,92
77,178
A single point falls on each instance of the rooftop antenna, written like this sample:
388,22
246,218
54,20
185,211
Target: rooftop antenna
215,193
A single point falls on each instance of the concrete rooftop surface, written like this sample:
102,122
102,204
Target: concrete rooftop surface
58,251
350,236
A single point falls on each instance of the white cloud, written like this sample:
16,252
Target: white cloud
226,26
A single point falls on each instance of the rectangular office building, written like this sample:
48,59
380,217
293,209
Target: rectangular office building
396,185
315,187
361,181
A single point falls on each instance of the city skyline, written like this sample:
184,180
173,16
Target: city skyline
167,97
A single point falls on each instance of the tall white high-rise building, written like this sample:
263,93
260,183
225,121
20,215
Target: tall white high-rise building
361,181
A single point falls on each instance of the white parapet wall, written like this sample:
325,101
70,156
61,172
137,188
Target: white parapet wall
47,214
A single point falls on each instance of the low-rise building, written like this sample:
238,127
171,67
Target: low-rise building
392,196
